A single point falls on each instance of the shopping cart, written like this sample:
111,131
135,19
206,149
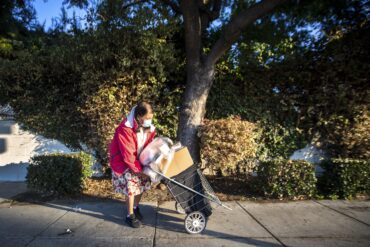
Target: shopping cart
193,195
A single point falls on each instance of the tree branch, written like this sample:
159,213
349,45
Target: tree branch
192,24
204,14
133,3
208,11
215,12
233,29
173,5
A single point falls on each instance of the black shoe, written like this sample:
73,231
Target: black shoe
137,213
133,221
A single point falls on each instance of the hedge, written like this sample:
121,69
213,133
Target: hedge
344,178
61,174
291,179
226,144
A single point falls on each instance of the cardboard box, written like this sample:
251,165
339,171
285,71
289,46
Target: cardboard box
180,162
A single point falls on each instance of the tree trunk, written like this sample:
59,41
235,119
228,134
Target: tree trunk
200,68
192,111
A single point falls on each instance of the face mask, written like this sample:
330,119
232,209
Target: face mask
147,123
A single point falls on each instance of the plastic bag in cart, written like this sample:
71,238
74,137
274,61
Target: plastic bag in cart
156,155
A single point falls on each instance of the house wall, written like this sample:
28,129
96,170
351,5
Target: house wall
18,146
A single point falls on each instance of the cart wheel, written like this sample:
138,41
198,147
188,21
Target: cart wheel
195,222
179,209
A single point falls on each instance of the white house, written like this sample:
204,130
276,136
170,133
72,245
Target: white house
18,146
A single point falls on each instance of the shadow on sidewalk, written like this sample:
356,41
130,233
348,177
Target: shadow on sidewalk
175,224
10,189
114,211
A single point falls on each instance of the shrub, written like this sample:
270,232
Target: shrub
61,174
87,163
225,143
344,178
276,141
92,84
286,179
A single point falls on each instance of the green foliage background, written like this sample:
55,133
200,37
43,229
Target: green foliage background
76,84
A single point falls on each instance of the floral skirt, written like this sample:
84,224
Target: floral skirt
129,183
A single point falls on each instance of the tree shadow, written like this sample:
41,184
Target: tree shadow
155,217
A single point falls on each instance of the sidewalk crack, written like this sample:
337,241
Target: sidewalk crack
260,223
155,225
339,212
46,228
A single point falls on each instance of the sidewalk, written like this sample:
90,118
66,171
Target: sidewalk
100,223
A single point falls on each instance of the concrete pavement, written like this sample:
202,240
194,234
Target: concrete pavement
100,223
10,189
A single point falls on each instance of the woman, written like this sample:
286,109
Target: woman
133,134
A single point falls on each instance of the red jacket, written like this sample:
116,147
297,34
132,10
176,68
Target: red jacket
123,148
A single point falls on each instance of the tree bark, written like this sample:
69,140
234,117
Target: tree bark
192,111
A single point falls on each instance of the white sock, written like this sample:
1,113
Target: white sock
136,207
128,215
